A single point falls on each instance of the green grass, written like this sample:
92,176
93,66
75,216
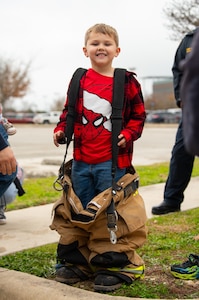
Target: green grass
157,173
39,191
170,240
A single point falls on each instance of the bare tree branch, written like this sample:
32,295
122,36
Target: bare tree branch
182,17
58,103
14,80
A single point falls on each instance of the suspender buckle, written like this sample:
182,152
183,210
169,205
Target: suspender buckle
113,237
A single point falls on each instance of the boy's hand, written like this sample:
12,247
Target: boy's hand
122,142
58,137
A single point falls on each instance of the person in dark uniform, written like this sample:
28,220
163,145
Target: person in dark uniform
181,163
189,90
190,97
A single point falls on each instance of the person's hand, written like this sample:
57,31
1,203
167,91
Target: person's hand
57,137
8,164
122,142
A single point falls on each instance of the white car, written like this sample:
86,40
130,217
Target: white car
47,118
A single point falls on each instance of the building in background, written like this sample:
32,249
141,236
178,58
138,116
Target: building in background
163,93
162,96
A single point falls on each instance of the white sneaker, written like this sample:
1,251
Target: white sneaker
8,127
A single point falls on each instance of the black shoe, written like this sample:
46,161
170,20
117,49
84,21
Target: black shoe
70,275
164,208
107,283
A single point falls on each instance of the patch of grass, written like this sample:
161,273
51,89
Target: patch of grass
157,173
38,261
170,239
138,289
39,191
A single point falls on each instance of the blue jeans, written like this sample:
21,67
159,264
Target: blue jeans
9,195
181,165
5,180
89,180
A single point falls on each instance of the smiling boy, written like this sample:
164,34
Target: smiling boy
92,165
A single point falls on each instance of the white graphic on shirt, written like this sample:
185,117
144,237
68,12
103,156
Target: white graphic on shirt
98,105
96,115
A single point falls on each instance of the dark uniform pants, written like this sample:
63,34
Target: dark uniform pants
180,170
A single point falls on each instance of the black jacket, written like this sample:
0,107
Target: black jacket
190,98
3,143
183,49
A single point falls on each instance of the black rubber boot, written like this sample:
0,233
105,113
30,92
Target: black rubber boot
107,283
70,275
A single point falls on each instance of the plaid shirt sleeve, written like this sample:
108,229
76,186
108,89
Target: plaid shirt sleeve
134,114
61,125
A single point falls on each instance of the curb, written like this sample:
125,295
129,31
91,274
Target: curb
21,286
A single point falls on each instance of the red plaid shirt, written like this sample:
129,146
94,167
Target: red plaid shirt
132,125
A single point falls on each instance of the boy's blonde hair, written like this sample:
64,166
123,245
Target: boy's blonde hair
105,29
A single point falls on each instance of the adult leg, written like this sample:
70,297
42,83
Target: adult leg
5,181
7,197
181,165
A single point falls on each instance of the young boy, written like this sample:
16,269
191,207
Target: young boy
78,251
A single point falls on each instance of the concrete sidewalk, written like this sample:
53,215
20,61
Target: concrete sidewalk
28,228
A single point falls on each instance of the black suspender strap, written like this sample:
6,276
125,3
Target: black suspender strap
117,106
116,118
73,93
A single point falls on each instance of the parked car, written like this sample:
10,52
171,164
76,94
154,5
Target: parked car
20,118
155,117
163,116
47,117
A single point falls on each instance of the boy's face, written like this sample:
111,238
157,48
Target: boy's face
101,49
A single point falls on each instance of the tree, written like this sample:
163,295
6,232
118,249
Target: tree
182,16
58,104
153,103
14,80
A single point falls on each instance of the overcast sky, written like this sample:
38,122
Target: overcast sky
50,34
